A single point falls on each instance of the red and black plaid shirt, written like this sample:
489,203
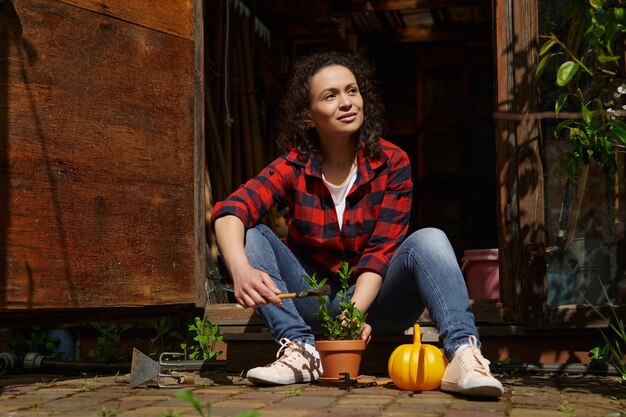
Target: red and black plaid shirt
375,220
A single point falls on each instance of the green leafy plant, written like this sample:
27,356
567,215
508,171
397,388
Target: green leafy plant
106,412
36,341
205,335
589,77
598,355
205,410
614,339
512,373
165,335
349,324
566,409
294,392
108,344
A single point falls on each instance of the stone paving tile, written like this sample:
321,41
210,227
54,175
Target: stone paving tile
153,411
6,409
146,397
224,391
278,408
417,407
536,401
604,410
302,403
210,397
238,404
73,402
122,405
39,413
287,413
529,412
427,397
323,392
366,399
16,402
479,405
16,390
230,411
256,395
346,413
473,413
365,411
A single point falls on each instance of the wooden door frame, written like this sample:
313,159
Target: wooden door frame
199,156
520,176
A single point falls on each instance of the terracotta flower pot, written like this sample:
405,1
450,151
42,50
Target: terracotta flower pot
338,356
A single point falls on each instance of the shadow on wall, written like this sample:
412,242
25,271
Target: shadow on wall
12,41
10,28
520,174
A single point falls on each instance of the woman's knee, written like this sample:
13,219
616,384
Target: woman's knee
428,238
256,241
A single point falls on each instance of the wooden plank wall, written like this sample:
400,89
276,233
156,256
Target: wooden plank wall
97,154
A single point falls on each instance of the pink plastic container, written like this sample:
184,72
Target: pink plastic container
482,273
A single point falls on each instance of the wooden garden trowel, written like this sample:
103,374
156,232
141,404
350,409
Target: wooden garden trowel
323,290
145,369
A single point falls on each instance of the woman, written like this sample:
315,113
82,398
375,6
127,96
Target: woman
349,195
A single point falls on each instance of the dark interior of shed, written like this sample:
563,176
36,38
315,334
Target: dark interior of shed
434,61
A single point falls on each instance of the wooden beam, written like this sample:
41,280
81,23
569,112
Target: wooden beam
386,5
173,17
444,33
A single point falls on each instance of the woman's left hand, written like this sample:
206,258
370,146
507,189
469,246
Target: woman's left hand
367,333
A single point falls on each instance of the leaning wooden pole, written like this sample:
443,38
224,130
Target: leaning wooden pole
215,144
246,134
248,66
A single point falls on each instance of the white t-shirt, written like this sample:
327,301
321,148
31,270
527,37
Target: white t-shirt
339,193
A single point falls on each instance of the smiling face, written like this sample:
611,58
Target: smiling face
336,103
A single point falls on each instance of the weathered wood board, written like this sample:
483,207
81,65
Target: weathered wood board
96,157
174,17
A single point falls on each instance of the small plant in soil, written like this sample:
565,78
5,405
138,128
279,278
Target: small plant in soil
35,340
348,325
108,344
205,336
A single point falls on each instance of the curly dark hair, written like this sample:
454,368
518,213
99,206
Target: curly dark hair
296,104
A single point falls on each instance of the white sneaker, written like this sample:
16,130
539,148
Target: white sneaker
295,364
469,374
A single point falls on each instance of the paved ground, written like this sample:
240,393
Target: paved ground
526,396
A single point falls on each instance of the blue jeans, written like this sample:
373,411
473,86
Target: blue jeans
423,273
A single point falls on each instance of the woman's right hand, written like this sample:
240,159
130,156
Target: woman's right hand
254,288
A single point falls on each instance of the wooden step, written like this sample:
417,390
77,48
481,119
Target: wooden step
248,343
248,350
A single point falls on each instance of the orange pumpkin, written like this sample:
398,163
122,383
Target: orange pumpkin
417,366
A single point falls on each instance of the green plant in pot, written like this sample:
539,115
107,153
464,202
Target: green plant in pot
341,346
